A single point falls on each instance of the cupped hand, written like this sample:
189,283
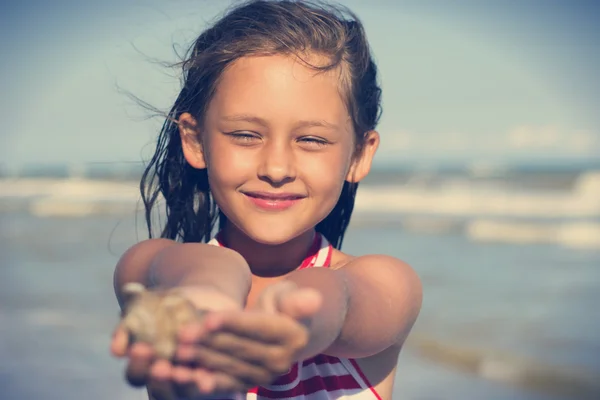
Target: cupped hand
238,350
145,367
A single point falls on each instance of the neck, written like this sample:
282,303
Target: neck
269,260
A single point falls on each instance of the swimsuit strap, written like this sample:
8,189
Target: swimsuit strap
319,254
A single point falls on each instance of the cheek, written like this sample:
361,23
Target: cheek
327,172
228,165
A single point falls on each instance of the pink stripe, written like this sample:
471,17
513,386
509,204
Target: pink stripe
287,378
291,376
312,252
327,262
220,239
321,359
312,385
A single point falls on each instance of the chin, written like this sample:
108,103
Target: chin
273,234
273,237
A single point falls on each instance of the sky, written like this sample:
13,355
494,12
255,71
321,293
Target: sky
463,81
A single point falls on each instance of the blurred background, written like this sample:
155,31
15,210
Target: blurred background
487,182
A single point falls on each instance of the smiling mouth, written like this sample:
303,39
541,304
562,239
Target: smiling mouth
274,196
273,201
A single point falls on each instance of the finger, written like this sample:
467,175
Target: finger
204,380
266,302
140,360
222,384
216,361
192,333
242,348
260,326
161,370
159,382
119,342
161,390
299,303
184,384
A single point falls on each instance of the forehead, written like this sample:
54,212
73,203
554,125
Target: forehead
279,87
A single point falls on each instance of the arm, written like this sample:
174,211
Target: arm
368,305
166,264
357,311
210,277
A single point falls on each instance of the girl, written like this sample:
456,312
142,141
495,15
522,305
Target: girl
269,137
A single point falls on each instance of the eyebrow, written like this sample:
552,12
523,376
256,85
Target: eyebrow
260,121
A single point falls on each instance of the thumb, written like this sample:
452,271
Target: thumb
120,341
299,303
269,297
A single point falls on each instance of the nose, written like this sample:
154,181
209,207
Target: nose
277,165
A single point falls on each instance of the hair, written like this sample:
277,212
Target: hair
296,28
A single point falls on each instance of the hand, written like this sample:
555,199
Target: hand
244,349
152,318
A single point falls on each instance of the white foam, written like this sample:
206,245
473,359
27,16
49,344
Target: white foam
73,188
569,234
83,197
499,370
68,197
470,202
63,207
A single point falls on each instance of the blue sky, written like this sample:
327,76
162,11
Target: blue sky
472,81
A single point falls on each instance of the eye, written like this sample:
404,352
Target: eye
244,137
313,141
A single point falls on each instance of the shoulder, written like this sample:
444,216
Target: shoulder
143,251
373,262
388,274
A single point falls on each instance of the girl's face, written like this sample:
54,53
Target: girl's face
278,143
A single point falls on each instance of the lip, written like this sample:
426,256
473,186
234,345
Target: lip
273,201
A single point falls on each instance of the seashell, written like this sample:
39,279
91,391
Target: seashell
156,317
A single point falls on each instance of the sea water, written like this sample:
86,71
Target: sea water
510,305
523,306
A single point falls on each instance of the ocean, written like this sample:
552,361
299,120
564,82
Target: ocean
510,266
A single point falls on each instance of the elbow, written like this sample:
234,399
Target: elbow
412,303
134,264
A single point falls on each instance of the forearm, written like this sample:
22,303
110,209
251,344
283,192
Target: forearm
326,325
165,264
367,306
199,265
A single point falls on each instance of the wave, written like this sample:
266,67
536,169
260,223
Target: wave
68,197
567,234
467,199
72,188
79,197
569,382
571,234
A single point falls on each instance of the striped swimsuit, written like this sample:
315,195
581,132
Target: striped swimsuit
321,377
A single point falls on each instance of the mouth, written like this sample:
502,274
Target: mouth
274,196
272,201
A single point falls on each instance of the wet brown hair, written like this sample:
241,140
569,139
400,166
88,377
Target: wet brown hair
297,28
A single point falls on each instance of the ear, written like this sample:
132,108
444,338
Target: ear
361,164
191,143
